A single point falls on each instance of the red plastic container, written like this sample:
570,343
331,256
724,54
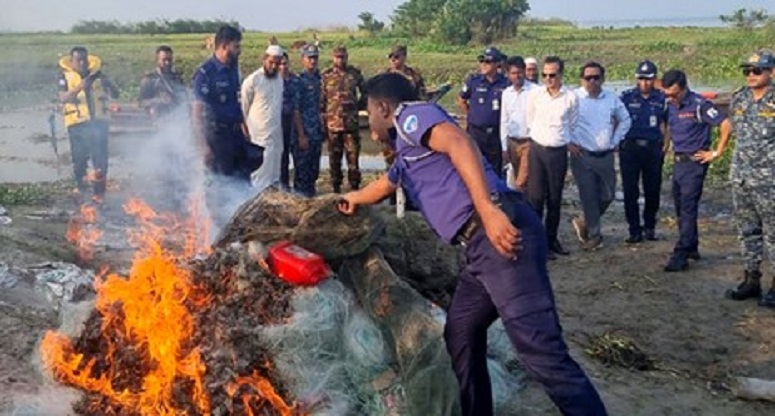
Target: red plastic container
297,265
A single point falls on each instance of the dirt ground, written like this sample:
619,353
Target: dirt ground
696,339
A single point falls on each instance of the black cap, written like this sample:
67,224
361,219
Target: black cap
646,69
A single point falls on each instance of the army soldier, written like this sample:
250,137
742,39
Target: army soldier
690,118
397,57
480,100
84,91
753,123
162,90
342,96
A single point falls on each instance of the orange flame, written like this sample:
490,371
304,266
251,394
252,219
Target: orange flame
148,309
82,232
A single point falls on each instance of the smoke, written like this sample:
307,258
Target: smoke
167,170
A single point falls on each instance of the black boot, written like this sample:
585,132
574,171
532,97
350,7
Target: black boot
750,287
677,263
649,234
768,300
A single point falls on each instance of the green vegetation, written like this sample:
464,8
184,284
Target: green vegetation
150,27
746,19
22,194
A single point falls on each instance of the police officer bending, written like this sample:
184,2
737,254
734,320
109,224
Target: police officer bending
505,276
690,118
753,123
641,153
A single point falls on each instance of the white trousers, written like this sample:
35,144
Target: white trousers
269,172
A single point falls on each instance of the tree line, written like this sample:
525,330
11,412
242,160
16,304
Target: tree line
151,27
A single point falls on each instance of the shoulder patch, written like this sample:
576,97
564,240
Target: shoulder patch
712,112
411,124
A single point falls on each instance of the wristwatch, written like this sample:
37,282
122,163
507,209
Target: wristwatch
714,154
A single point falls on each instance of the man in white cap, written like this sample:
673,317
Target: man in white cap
262,99
531,69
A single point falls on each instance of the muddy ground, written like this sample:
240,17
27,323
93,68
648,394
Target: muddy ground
695,338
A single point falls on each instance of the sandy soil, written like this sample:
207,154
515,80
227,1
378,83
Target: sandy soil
696,339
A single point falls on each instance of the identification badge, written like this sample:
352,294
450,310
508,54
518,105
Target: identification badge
481,100
496,105
223,98
653,121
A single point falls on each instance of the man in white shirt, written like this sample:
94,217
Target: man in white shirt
531,69
602,124
552,113
262,100
515,136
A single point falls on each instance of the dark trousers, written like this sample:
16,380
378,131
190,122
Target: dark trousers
688,180
233,155
346,144
489,141
519,292
89,141
547,167
641,160
306,167
285,159
595,176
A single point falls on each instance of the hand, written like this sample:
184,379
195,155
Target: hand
574,149
703,156
502,233
346,204
303,142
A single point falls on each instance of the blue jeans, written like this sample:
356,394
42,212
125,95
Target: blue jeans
519,292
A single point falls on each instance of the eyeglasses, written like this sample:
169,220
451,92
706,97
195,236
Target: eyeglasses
645,79
486,61
755,71
590,78
547,75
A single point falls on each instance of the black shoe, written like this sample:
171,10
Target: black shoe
677,263
634,239
694,255
557,248
650,234
768,301
750,287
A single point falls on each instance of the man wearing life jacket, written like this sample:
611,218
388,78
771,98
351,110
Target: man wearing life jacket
84,91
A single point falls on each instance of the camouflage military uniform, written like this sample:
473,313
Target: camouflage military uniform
307,162
752,174
340,104
155,86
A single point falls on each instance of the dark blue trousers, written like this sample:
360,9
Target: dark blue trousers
688,180
306,167
519,292
641,163
89,141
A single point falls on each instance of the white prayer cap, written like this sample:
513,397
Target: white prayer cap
274,50
531,61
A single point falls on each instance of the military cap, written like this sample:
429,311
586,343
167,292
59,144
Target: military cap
760,59
646,69
491,54
397,50
310,50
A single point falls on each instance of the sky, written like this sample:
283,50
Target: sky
287,15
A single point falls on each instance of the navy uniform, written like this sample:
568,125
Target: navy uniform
753,188
291,96
491,285
641,156
484,105
217,86
306,163
690,125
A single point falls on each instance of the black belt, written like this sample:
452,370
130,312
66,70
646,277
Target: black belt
602,153
684,157
474,223
633,142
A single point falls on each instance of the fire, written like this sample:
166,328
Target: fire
82,232
147,328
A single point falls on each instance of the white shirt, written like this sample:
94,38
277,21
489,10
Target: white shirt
262,105
552,120
514,112
603,121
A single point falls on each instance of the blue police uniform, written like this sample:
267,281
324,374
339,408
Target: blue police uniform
490,286
483,121
641,157
291,94
217,86
690,126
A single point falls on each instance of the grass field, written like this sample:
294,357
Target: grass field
709,55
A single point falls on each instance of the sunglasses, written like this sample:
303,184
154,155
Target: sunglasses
547,75
755,71
590,78
486,61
